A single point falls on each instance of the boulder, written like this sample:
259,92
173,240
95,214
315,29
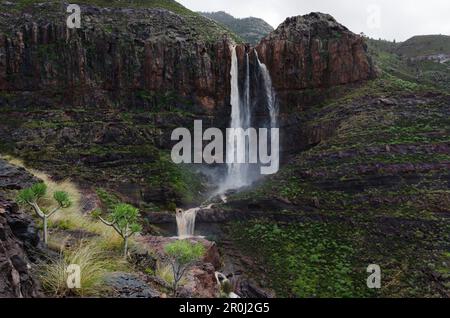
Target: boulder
126,285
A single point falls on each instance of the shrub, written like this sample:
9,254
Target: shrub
124,220
182,255
33,195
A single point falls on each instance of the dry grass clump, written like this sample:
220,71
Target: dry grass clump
93,267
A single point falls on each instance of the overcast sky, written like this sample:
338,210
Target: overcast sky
387,19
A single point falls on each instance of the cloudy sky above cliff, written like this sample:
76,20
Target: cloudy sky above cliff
387,19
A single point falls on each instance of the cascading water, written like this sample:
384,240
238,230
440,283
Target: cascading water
272,104
270,93
241,174
238,173
186,222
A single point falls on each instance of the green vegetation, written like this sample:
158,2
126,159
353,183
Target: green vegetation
251,30
124,220
33,195
398,60
184,183
109,200
182,254
79,239
307,260
170,5
205,29
93,265
424,45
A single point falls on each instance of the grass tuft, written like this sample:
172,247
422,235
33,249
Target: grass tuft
93,268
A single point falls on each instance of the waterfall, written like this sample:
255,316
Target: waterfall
243,174
246,106
186,222
238,173
270,93
272,104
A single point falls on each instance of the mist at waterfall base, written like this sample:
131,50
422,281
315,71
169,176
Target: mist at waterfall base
245,103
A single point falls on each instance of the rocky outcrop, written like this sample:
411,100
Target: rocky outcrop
314,51
146,56
14,177
126,285
307,56
18,238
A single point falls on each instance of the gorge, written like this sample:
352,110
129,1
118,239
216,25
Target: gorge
363,170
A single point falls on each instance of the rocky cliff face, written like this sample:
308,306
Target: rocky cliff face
135,55
313,51
18,237
98,104
119,55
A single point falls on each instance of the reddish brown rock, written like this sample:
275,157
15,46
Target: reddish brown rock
201,282
151,55
314,51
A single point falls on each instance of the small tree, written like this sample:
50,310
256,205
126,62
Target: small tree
124,220
182,255
32,196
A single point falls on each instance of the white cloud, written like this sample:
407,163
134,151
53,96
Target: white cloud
399,19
